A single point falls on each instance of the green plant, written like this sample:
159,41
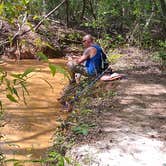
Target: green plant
86,112
60,143
82,129
74,36
114,57
160,56
105,41
60,160
10,86
53,159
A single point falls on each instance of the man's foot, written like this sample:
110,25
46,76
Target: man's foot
77,77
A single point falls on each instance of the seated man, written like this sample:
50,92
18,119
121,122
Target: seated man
89,64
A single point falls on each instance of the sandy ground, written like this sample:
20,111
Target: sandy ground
134,126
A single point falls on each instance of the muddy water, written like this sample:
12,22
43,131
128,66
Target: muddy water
28,130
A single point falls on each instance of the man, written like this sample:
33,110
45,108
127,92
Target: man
89,64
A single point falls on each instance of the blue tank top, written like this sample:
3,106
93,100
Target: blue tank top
93,65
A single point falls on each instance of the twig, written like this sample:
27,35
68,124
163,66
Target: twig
34,27
47,15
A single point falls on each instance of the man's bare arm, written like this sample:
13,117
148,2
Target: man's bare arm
84,57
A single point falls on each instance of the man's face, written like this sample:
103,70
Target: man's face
86,42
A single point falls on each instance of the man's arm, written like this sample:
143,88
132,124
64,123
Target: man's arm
84,57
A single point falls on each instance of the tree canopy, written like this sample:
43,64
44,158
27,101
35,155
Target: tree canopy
137,21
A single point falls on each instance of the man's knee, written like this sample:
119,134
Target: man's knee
71,65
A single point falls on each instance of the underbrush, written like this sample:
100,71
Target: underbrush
82,125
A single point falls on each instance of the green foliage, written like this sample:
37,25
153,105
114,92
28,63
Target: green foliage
86,112
82,129
42,56
122,19
60,160
74,36
14,9
10,86
114,57
58,69
105,41
53,159
160,55
162,44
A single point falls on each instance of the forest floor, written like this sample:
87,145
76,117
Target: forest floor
127,116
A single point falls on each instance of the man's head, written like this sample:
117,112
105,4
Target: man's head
87,40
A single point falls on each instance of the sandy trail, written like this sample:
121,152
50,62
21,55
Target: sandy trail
133,128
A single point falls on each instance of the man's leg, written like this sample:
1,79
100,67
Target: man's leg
75,68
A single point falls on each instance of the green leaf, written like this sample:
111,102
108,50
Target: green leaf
7,82
8,87
11,160
53,154
53,69
28,71
42,56
15,92
47,44
36,17
16,75
23,85
60,161
84,131
25,2
67,160
30,25
60,69
1,8
11,98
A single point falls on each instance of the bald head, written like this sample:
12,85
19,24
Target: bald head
88,37
87,40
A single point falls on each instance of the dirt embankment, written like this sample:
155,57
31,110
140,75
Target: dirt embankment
52,40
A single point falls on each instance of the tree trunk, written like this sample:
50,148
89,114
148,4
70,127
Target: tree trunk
163,7
91,7
83,9
67,12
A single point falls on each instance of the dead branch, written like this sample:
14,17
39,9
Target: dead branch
17,34
47,15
